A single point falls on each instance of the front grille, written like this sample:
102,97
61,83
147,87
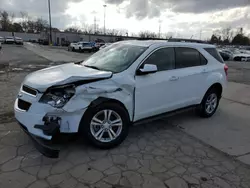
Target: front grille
29,90
23,105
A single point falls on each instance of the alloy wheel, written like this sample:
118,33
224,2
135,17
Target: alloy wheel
211,103
106,125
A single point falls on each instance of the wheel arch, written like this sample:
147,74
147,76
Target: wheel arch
217,86
101,100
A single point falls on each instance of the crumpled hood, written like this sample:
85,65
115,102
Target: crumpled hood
62,74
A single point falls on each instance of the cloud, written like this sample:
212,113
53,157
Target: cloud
117,2
200,6
39,9
141,9
152,8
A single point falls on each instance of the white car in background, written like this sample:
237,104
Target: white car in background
75,46
18,40
126,83
241,55
81,46
9,40
2,39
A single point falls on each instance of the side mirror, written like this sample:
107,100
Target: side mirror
147,69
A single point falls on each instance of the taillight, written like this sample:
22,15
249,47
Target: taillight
226,69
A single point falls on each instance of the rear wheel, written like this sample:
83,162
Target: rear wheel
73,49
106,125
209,104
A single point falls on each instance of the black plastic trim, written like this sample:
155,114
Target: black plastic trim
41,145
163,115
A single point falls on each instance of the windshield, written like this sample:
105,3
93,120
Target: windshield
115,58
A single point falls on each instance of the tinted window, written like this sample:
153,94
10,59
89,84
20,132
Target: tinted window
203,60
188,57
213,52
163,58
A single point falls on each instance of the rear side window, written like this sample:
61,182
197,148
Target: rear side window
213,52
188,57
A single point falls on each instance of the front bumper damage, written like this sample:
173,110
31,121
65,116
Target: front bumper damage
43,146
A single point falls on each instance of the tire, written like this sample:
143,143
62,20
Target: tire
238,59
87,129
203,110
73,49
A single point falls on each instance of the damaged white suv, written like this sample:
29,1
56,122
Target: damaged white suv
124,83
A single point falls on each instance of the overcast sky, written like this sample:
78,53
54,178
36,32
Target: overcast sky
182,18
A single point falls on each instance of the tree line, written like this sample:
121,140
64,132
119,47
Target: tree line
24,23
228,36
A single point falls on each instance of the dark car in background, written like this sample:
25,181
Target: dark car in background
43,41
224,55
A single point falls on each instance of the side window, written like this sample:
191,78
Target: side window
188,57
163,58
203,60
213,52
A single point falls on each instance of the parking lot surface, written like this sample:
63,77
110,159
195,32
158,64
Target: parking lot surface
174,152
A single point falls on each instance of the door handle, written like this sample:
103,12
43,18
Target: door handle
174,78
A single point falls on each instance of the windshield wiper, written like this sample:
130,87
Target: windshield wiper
91,66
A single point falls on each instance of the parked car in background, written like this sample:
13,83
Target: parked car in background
82,46
123,84
88,47
224,55
75,46
239,56
18,40
9,40
2,39
43,41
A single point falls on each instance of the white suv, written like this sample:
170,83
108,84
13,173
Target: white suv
124,83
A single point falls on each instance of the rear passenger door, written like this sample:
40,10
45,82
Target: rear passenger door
192,70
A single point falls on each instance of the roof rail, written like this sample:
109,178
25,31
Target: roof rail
186,40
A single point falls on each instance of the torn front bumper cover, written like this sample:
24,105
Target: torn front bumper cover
43,146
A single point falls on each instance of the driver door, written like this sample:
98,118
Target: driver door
156,93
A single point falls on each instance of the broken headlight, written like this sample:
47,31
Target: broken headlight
58,96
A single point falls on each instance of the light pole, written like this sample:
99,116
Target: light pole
104,29
50,29
160,28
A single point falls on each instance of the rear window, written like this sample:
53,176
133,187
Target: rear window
213,52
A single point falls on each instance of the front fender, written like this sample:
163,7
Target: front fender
119,88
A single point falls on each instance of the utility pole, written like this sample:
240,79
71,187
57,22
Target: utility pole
160,28
94,24
50,29
104,28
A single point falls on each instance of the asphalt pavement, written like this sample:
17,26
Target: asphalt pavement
180,151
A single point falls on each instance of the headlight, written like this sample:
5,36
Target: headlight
58,96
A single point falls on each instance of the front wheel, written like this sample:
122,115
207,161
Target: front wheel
106,125
209,104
